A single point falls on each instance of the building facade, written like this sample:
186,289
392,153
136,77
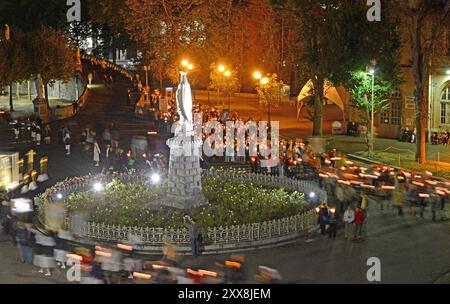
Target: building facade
402,114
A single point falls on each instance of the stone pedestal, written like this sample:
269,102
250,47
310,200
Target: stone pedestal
41,108
184,187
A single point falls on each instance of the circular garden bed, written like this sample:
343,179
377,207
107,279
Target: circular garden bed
231,202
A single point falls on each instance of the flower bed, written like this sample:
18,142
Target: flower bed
231,203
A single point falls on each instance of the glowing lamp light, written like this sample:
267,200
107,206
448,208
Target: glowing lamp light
333,210
388,187
233,264
74,257
227,74
21,205
155,178
442,193
143,276
418,184
257,75
156,267
265,80
190,67
221,68
317,209
98,187
207,273
424,195
103,254
312,195
125,247
59,196
184,63
447,72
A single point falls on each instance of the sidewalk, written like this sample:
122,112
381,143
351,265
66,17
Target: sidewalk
23,107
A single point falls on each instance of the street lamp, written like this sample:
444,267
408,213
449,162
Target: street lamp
187,66
221,68
257,75
227,75
372,72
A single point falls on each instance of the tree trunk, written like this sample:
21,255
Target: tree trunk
11,106
46,95
318,107
421,126
421,102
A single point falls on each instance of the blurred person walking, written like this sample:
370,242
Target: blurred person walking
359,221
47,133
115,137
323,218
67,141
24,239
17,127
191,224
38,134
97,153
349,219
333,225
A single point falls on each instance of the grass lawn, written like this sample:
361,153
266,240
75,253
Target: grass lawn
407,161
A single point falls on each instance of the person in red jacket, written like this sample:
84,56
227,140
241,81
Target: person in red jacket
359,221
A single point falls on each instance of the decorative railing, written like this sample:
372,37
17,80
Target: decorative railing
108,64
213,236
156,237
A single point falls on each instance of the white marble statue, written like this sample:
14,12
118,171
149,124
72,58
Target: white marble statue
39,87
184,107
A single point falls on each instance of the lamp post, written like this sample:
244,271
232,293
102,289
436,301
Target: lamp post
221,69
227,75
372,117
257,75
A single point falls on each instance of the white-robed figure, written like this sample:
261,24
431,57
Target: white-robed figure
184,107
97,153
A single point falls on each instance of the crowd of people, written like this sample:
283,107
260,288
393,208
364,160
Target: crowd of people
350,187
441,139
57,252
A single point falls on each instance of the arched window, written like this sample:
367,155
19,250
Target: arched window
445,106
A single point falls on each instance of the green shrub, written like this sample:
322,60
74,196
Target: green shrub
231,203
